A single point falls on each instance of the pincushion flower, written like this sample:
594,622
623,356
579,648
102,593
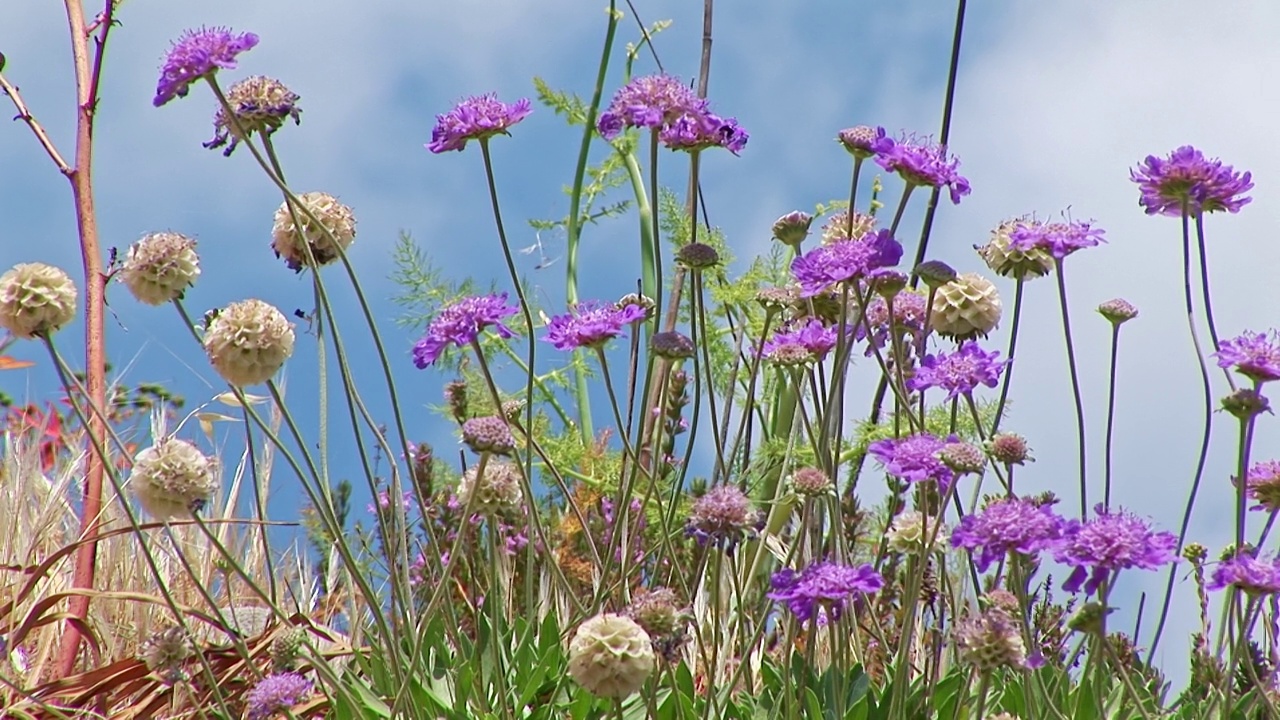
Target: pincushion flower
1252,354
1007,261
841,261
476,118
172,479
276,693
160,267
861,141
1059,239
823,590
611,656
722,517
495,490
959,372
591,325
1250,574
920,161
460,323
967,306
1262,483
815,337
648,101
198,54
1112,541
701,129
913,458
248,341
259,104
1007,525
1188,182
991,640
35,299
909,310
309,243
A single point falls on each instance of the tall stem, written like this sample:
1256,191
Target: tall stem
1013,345
1075,389
1111,415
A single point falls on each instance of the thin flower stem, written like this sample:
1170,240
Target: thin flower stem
1207,297
1075,389
1242,471
902,208
651,245
853,195
1111,415
1013,345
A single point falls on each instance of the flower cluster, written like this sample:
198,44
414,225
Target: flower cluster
823,590
1186,182
1249,573
1262,483
1059,239
914,458
1008,525
683,120
592,324
1253,354
1112,541
842,261
36,299
259,104
722,517
160,267
476,118
920,161
276,693
959,372
807,342
460,323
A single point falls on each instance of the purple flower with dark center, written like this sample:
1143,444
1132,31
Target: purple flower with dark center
1059,239
959,372
1112,541
476,118
920,161
460,324
276,693
914,458
841,261
813,336
1188,182
823,590
1254,355
701,129
651,101
1262,483
1007,525
198,54
1248,573
722,517
591,325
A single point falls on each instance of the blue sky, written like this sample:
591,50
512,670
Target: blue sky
1055,103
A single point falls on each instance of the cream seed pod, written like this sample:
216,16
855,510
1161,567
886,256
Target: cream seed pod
160,267
965,308
172,479
36,299
497,489
293,232
611,656
248,342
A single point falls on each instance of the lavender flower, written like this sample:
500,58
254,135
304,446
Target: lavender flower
198,54
841,261
919,161
591,325
701,129
275,693
1187,182
1254,355
1112,541
722,517
1059,239
1007,525
823,590
909,312
460,323
651,101
816,338
959,372
1262,482
1248,573
383,502
914,458
476,118
862,140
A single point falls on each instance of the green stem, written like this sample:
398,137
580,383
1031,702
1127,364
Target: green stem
1013,345
1075,390
1111,415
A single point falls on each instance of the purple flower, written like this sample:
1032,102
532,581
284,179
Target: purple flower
909,311
460,323
383,503
651,101
1252,354
841,261
722,517
914,458
1248,573
920,161
1059,239
198,54
701,129
591,324
476,118
823,589
1262,482
816,338
1112,541
1007,525
861,141
1188,182
275,693
959,372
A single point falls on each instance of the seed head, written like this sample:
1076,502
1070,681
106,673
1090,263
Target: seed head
811,481
260,105
1009,448
1010,262
1118,311
489,434
966,307
248,341
792,228
36,299
698,256
326,239
671,345
910,531
611,656
496,491
172,479
964,458
935,273
166,653
160,267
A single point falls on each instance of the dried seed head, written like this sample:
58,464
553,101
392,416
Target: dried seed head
160,267
172,479
36,299
248,341
308,242
611,656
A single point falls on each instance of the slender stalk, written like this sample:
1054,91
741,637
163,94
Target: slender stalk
1013,345
1206,296
1111,414
1075,389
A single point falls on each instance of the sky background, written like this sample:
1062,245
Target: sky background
1055,102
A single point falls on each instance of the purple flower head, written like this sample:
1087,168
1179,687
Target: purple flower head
276,693
701,129
959,372
920,161
383,502
1188,182
909,311
813,336
460,323
722,517
824,589
198,54
1248,573
476,118
1059,239
843,260
862,140
1112,541
1262,483
914,458
651,101
1254,355
1007,525
591,324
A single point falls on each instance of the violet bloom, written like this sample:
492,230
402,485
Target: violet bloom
460,323
651,101
276,693
198,54
1007,525
476,118
1112,541
1262,482
1248,573
1059,239
1254,355
914,458
841,261
722,517
591,325
703,129
862,140
909,312
823,590
920,161
815,337
959,372
383,502
1187,182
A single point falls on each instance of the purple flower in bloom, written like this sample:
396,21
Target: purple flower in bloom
1112,541
1059,239
823,589
651,101
476,118
383,503
1262,482
914,458
1007,525
460,324
959,372
1250,574
861,141
922,162
1254,355
701,129
841,261
275,693
909,311
591,324
813,336
722,517
197,54
1188,182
